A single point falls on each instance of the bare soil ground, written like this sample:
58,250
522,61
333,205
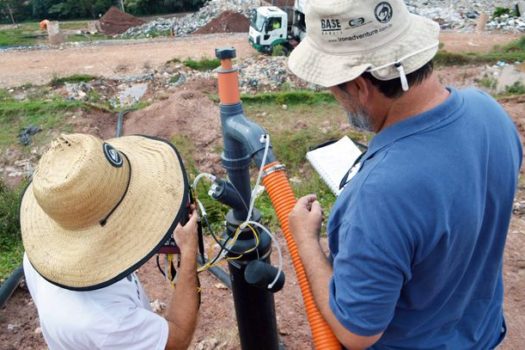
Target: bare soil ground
115,59
474,42
111,59
189,111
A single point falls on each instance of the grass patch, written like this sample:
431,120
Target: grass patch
26,34
45,113
515,89
215,210
289,98
278,50
75,78
516,46
500,11
29,33
10,239
203,64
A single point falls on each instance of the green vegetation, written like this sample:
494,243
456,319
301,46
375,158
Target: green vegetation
10,240
75,78
45,113
25,35
175,78
515,89
500,11
289,97
203,64
278,50
73,9
488,83
516,46
513,52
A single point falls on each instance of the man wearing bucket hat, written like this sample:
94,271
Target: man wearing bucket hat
94,212
417,236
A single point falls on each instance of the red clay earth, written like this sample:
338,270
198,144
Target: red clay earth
226,22
190,112
115,22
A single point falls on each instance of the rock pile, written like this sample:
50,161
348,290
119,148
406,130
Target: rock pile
507,23
188,24
463,15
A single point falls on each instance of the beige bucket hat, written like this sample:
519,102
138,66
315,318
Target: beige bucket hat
95,211
345,38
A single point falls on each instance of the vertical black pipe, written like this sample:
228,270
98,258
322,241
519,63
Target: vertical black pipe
254,307
255,311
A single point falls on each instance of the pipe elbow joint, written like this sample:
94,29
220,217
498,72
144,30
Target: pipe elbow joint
246,135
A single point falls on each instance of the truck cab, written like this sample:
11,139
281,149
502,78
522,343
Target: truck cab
299,23
268,28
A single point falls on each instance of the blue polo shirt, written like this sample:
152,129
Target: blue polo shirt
417,236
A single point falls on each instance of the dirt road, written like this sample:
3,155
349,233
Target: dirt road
117,59
111,59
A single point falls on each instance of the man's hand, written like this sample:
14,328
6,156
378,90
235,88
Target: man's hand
184,305
305,219
186,236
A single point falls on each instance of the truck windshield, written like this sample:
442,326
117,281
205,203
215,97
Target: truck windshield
258,21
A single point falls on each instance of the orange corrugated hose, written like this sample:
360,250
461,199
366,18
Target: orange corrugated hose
283,201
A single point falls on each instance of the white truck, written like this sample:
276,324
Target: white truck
271,26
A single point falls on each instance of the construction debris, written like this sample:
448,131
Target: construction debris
507,23
26,133
54,35
188,24
463,15
116,22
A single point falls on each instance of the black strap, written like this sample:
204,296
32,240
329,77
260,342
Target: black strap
344,180
104,220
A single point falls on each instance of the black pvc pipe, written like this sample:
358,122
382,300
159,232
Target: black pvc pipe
255,311
9,286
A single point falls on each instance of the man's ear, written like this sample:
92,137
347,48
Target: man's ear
362,90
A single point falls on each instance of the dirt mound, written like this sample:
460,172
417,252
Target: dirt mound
226,22
117,22
188,115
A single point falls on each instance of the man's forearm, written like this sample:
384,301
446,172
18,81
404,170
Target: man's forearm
184,304
319,272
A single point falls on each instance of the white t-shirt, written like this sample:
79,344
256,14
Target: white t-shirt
115,317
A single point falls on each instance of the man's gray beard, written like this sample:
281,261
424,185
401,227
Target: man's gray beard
360,120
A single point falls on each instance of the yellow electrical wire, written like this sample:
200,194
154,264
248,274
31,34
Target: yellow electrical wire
208,265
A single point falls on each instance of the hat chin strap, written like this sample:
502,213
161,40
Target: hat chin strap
105,219
399,65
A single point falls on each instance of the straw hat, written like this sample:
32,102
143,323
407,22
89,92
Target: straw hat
95,211
345,38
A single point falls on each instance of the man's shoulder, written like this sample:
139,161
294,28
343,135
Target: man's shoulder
479,100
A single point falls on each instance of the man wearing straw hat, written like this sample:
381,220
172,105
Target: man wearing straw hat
417,236
94,213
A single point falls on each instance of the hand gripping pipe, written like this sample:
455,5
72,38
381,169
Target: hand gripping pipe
283,200
242,138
